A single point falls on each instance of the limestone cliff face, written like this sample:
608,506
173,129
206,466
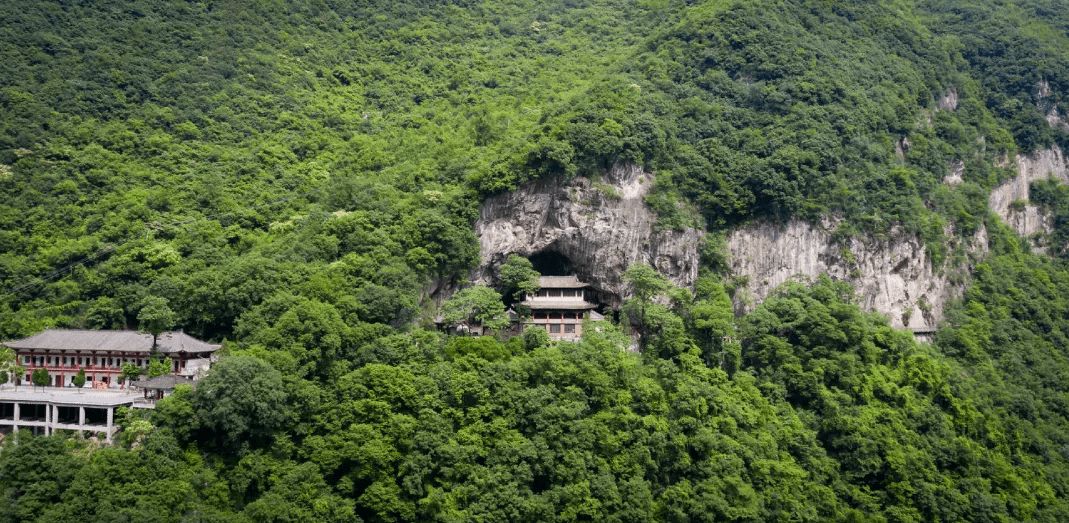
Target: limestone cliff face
1039,165
601,226
1048,105
892,276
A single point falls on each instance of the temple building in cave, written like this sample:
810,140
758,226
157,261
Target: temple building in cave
560,307
63,352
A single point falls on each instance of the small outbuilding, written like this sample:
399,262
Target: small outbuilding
161,385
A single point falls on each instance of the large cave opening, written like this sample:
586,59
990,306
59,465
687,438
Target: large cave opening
551,263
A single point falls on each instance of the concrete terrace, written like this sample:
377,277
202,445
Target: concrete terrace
48,409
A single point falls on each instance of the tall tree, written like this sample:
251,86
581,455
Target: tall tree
7,363
646,283
17,372
156,317
40,377
159,367
476,305
241,403
712,323
130,372
79,380
518,277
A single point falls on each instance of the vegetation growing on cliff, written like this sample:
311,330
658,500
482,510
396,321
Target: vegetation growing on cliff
294,177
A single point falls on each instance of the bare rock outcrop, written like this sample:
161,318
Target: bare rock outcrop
957,172
893,276
1009,200
949,100
601,226
1047,104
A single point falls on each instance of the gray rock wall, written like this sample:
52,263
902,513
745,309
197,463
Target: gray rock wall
601,225
890,276
1039,165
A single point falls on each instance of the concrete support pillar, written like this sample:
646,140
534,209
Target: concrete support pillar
16,424
81,416
48,420
111,413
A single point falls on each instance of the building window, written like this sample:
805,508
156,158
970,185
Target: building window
569,328
26,360
554,329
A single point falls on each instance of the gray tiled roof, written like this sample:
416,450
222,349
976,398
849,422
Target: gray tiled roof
167,381
560,282
118,341
544,304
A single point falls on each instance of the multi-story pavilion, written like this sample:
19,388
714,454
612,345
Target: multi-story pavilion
102,353
560,307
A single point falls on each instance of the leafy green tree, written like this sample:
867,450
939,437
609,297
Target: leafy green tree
130,372
156,317
712,321
105,313
483,347
646,284
40,377
134,426
176,413
8,367
476,305
240,404
79,379
158,367
518,277
34,475
299,493
535,337
17,372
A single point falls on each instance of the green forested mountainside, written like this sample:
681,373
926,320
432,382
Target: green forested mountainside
290,177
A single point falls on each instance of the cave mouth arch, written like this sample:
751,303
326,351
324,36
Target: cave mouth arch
551,263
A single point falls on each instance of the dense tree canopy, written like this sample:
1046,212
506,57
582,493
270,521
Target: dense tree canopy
299,181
